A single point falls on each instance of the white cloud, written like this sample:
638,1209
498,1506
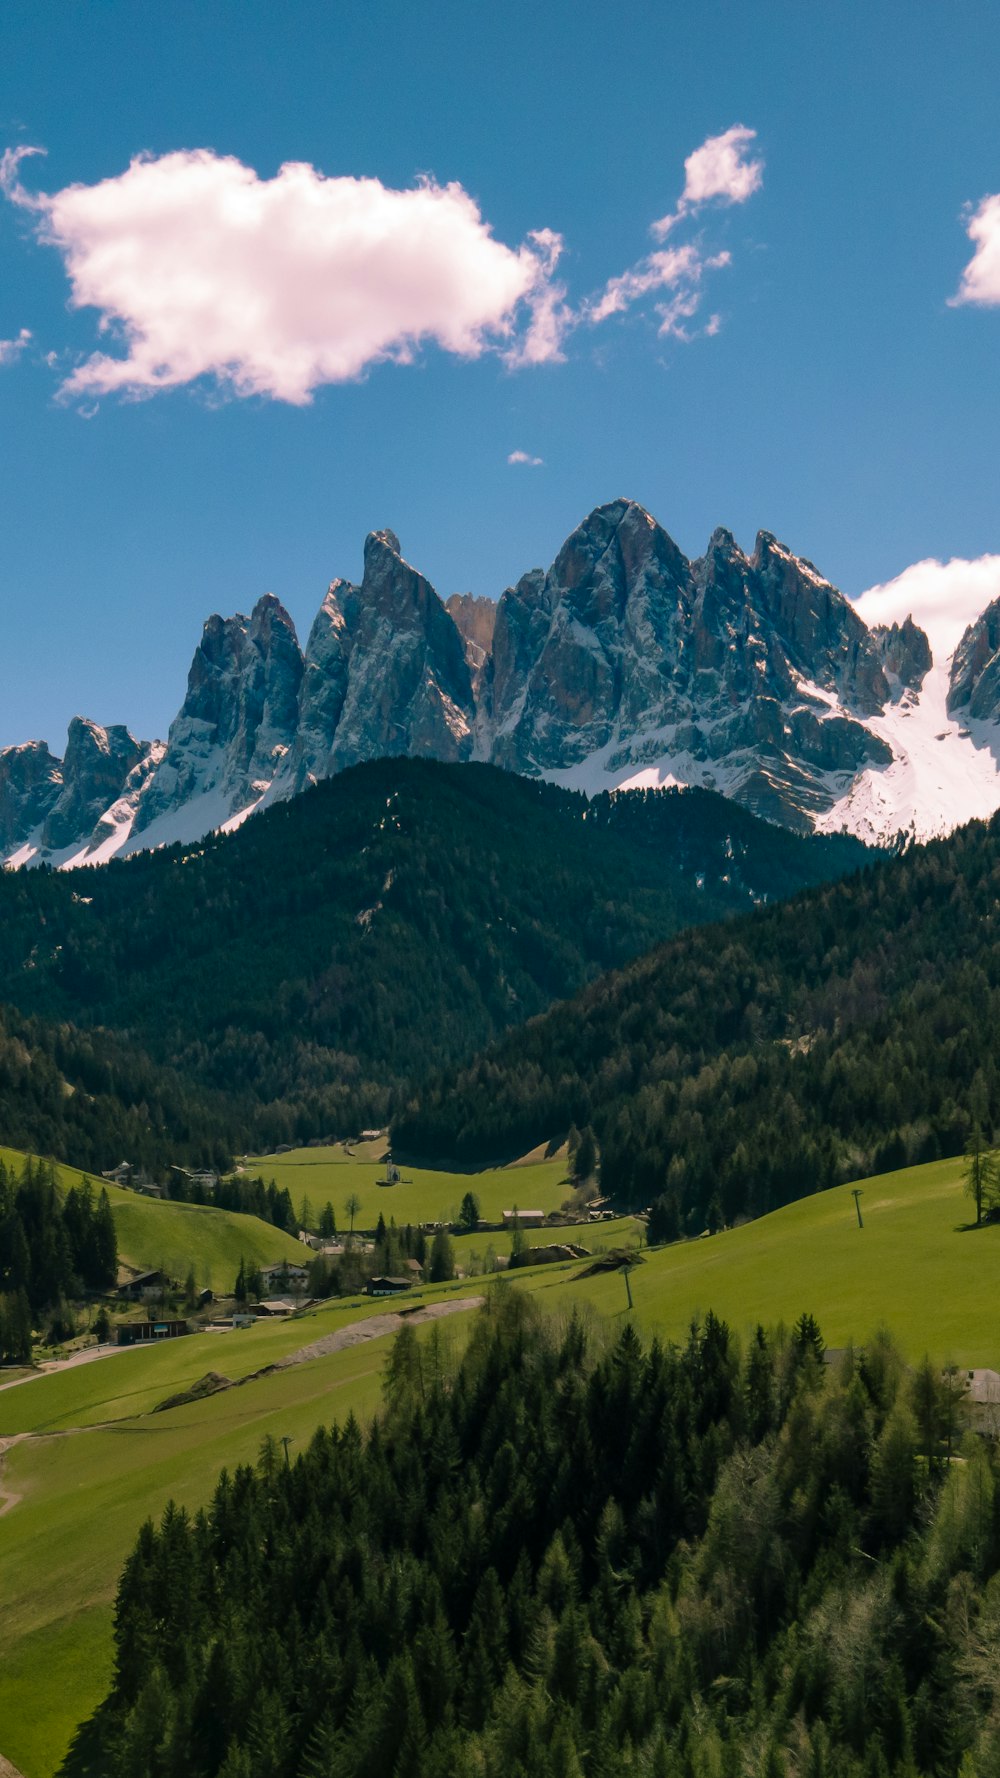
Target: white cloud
718,169
944,598
200,269
658,271
276,286
524,457
11,349
981,277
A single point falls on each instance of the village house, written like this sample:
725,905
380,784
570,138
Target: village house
285,1276
526,1219
144,1287
387,1286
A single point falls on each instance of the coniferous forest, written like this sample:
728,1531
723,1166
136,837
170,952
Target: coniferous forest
574,1556
299,975
846,1032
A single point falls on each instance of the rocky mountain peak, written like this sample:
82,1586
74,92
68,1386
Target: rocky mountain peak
975,669
905,652
622,663
96,764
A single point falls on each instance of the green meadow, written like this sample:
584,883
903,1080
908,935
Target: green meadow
316,1176
915,1267
157,1234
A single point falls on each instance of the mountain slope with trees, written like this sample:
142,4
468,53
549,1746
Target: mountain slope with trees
562,1560
389,921
735,1068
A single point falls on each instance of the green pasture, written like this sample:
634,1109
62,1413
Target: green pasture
328,1175
915,1267
157,1234
473,1253
98,1463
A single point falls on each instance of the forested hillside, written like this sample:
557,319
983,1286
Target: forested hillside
736,1068
392,920
564,1561
91,1098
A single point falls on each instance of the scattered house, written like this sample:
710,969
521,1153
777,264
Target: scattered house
308,1240
371,1135
205,1177
387,1286
205,1297
133,1179
528,1219
983,1387
144,1286
276,1305
286,1275
140,1333
414,1268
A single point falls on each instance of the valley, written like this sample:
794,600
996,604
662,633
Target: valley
80,1503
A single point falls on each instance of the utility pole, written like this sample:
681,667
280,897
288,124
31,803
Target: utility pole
856,1194
286,1441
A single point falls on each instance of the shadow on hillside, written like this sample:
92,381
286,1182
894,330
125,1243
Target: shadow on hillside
88,1752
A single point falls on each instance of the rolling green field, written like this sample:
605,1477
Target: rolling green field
98,1462
156,1234
322,1175
914,1267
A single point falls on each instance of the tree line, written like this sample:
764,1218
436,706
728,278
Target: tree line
53,1247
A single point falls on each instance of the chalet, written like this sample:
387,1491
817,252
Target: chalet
387,1286
142,1333
526,1219
287,1276
983,1386
133,1179
276,1306
144,1286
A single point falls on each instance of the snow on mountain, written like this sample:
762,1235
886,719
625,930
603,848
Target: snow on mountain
623,665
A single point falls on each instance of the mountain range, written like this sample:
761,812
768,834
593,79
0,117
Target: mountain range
624,665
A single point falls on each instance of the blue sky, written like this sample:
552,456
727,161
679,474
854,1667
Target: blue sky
838,400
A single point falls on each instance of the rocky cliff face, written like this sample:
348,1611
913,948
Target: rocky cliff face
237,723
625,663
974,688
385,673
750,675
66,809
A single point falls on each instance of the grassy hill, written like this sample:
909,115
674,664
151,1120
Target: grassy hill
316,1176
156,1234
916,1267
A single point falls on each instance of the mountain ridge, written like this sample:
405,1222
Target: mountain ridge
624,665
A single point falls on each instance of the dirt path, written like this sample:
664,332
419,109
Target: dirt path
7,1770
373,1329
